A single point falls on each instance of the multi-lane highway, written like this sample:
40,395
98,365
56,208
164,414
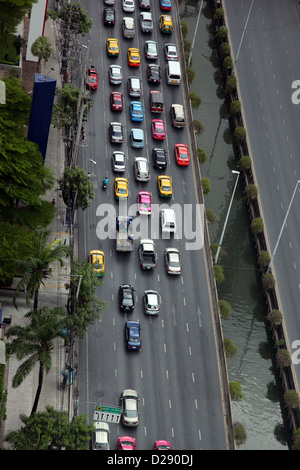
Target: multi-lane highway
267,64
177,373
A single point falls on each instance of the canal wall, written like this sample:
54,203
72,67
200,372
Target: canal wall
242,148
217,316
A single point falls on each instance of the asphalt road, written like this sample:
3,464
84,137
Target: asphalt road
177,373
267,65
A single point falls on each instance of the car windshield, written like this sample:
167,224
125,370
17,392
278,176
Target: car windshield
152,48
137,111
122,190
134,335
117,100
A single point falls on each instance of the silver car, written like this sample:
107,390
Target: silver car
151,302
146,22
134,87
100,438
130,404
141,169
118,162
115,74
151,50
171,51
172,261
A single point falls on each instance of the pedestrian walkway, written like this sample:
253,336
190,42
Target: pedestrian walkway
20,400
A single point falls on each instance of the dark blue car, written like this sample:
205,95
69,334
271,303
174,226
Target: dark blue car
132,335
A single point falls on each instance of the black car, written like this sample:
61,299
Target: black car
126,298
159,157
109,16
133,335
153,73
145,4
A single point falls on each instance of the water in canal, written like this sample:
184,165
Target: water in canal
259,410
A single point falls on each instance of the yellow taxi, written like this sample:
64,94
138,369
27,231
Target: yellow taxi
134,58
112,46
97,262
164,186
121,188
166,24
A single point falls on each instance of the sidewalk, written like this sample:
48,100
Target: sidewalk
20,400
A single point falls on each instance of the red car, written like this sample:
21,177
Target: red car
162,445
92,79
182,154
116,101
126,443
158,129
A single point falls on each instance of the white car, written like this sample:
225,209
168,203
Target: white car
118,162
141,169
128,5
151,50
168,220
151,302
100,438
171,51
173,261
115,74
130,404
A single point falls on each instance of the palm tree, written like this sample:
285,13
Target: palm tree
35,343
38,265
42,49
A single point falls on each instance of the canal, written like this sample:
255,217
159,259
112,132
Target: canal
260,409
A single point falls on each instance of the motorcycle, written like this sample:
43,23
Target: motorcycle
104,182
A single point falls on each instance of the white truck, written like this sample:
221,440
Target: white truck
124,238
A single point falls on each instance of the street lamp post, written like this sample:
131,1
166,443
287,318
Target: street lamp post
281,230
227,216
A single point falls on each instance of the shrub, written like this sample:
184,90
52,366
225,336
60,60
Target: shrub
219,274
227,63
206,185
184,29
190,74
210,216
195,100
198,126
283,358
235,107
245,163
230,348
235,390
221,34
224,50
231,83
240,434
291,398
239,134
268,281
225,308
264,259
202,155
257,225
251,192
275,318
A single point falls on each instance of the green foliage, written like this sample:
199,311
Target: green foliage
22,170
73,15
219,274
227,63
235,390
257,225
275,318
198,126
184,29
224,50
51,430
195,100
221,34
240,134
76,188
64,111
206,185
240,434
291,399
202,155
225,308
283,358
245,163
88,306
296,440
230,348
235,107
231,83
210,216
190,74
268,281
251,192
42,49
187,45
3,393
264,259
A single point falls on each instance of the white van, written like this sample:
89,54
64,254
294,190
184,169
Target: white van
168,220
173,72
128,27
100,439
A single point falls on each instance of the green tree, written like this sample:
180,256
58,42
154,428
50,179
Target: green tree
195,100
72,14
35,344
38,266
88,306
42,49
22,170
230,348
76,188
51,430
